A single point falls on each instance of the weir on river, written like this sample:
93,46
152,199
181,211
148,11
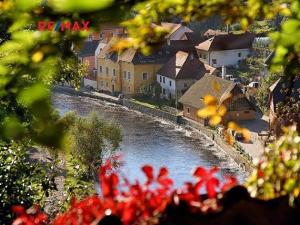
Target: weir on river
152,141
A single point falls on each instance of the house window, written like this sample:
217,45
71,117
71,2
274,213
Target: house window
128,89
159,79
214,61
124,75
188,110
106,84
204,56
239,54
185,85
128,75
102,83
170,83
164,81
100,69
145,76
163,91
107,70
114,72
200,55
95,73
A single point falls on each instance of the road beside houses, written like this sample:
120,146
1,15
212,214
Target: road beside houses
255,148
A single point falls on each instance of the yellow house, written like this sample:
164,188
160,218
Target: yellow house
131,71
128,72
108,71
137,71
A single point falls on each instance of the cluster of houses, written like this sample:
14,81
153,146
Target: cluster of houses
186,66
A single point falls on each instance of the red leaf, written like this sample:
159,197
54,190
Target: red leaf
18,209
114,180
213,170
162,172
231,182
105,187
166,182
200,172
148,170
211,186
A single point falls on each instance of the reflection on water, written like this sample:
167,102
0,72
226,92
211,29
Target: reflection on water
152,141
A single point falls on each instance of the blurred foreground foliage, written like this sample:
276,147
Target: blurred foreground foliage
22,180
278,170
31,61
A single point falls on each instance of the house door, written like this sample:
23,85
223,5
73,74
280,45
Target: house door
113,88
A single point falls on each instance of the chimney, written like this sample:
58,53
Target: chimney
223,72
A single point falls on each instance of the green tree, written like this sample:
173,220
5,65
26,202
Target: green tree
92,139
262,96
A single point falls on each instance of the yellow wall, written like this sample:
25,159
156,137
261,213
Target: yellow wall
106,81
150,69
127,86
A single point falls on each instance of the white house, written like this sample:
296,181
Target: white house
225,50
181,72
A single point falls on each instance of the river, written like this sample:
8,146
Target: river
147,140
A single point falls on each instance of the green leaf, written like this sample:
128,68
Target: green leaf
35,93
291,26
79,5
289,184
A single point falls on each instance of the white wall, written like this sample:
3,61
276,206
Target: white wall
176,87
169,89
224,58
227,57
180,33
88,82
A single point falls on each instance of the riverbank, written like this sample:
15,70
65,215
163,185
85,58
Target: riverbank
238,156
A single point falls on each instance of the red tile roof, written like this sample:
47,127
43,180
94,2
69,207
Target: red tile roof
185,65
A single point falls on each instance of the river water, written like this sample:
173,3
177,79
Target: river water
147,140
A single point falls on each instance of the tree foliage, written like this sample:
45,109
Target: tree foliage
278,171
92,139
22,181
30,61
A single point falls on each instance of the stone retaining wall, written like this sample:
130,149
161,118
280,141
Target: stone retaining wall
212,134
72,91
150,111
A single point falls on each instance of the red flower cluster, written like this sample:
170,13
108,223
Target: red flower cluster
31,216
207,180
136,203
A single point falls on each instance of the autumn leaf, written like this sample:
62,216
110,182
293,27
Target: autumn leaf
37,56
209,100
215,120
